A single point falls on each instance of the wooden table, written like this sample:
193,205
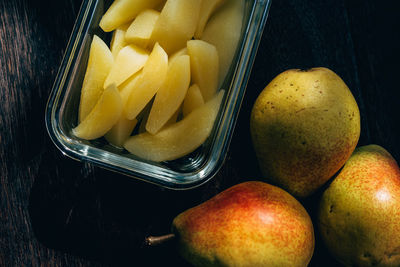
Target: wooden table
58,212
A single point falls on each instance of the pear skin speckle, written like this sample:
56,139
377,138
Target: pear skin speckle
249,224
359,213
321,121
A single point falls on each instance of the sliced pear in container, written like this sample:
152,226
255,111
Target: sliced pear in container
118,39
143,116
130,60
176,24
178,53
204,66
223,30
171,94
178,139
193,100
123,11
120,132
104,115
99,65
125,89
206,10
139,32
175,117
151,79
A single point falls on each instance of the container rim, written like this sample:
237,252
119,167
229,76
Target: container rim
246,54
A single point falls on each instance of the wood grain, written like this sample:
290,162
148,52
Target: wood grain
58,212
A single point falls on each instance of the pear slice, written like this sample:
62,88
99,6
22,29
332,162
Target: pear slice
175,55
174,117
204,66
120,132
171,94
123,11
103,116
193,100
99,65
118,40
143,116
176,24
178,139
125,89
206,10
139,32
151,79
223,30
129,60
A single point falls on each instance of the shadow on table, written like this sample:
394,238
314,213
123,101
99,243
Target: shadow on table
104,216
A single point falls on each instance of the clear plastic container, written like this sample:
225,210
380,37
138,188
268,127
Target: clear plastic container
187,172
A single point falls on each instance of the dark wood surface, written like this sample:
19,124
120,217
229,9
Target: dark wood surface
58,212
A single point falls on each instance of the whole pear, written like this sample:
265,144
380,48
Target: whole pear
304,126
359,213
250,224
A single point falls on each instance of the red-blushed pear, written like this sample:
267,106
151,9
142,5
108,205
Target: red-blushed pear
249,224
359,213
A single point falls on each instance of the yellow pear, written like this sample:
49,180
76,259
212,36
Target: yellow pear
304,125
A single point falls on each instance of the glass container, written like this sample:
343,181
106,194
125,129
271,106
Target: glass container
186,172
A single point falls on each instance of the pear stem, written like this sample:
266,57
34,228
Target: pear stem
158,240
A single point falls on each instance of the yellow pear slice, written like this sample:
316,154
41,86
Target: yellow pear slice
223,30
143,116
204,66
139,32
178,139
103,116
120,132
174,117
99,65
206,10
125,89
151,79
123,11
171,94
193,100
176,24
130,60
175,55
118,40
